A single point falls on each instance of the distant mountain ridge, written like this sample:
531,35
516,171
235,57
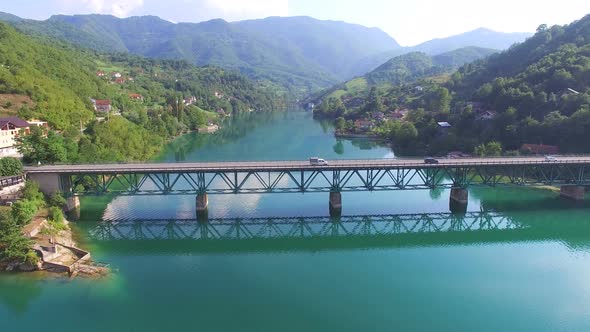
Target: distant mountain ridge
482,38
301,53
407,68
295,51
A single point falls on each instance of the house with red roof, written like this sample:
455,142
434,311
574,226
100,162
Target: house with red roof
539,149
101,105
136,96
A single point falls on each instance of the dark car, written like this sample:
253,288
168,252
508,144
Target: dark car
430,160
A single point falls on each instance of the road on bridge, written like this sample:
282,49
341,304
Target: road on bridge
246,166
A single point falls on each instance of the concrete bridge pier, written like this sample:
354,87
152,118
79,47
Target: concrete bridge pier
335,204
573,192
72,208
458,200
202,207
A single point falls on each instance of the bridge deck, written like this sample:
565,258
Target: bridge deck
252,166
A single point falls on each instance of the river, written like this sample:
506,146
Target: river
519,260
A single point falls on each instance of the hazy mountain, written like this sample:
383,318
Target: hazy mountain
416,65
461,56
481,38
404,69
299,52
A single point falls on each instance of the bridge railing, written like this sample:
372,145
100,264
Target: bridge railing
357,163
7,181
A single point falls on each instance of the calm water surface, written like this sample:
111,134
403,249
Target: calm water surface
518,261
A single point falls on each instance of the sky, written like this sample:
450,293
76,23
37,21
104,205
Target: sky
410,22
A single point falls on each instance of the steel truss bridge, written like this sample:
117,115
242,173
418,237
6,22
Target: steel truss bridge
301,177
304,227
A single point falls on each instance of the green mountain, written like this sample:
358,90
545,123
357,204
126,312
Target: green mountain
297,52
479,38
540,89
536,92
404,69
152,100
461,56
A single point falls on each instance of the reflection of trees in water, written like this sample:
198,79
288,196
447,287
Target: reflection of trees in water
231,130
339,147
326,125
436,193
365,144
18,292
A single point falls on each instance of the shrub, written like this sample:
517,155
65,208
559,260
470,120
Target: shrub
32,193
31,258
23,211
56,214
57,200
10,166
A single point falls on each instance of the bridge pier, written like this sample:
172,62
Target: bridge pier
335,204
458,200
573,192
202,207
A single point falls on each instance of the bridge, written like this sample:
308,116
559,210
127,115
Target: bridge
571,173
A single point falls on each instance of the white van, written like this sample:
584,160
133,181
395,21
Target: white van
315,161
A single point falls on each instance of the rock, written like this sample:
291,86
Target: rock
26,267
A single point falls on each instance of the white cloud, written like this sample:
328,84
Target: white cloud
120,8
248,9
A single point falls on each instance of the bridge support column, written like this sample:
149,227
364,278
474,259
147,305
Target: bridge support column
72,208
458,200
48,182
202,207
574,192
335,204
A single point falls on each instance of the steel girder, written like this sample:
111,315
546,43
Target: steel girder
301,181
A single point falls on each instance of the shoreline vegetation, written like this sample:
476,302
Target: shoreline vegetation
35,236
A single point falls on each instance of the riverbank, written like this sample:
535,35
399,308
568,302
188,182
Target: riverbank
56,250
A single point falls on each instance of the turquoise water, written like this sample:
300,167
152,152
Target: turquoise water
519,260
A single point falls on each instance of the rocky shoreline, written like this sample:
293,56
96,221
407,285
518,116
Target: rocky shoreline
57,252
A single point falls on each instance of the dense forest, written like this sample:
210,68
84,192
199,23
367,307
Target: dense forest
536,92
402,70
300,54
152,101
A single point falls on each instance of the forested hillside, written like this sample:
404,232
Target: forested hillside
537,92
401,70
299,53
152,100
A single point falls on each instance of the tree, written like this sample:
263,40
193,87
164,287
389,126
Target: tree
491,149
542,28
340,123
10,166
13,244
36,147
406,134
374,103
439,100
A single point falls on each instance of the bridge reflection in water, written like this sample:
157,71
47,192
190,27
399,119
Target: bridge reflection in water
347,232
304,227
